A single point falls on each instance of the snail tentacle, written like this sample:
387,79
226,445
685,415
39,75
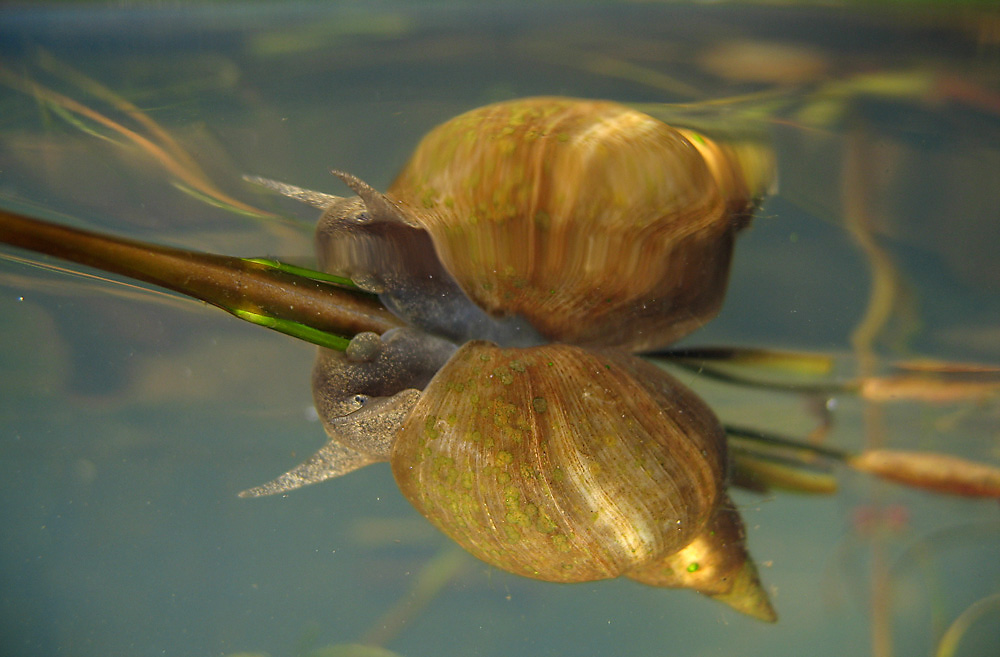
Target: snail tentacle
378,205
313,198
331,461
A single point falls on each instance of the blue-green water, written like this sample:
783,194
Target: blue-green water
131,421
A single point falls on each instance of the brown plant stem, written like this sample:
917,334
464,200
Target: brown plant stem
250,290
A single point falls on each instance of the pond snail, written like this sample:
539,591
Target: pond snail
531,246
549,220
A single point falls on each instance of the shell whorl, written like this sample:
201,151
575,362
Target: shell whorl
598,460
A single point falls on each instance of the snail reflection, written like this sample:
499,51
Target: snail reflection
526,252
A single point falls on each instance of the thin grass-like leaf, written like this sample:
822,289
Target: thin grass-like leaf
183,170
756,473
948,646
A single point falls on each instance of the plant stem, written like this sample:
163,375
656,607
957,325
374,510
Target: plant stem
260,293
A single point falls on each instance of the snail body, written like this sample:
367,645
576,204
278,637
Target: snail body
531,246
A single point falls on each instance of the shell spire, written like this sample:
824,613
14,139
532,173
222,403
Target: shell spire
715,564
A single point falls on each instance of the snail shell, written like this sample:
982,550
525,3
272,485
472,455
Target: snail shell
598,224
561,463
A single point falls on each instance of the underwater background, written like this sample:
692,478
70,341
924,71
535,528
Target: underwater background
130,420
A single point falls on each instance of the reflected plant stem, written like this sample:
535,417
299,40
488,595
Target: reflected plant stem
90,86
881,302
159,146
812,375
791,459
614,67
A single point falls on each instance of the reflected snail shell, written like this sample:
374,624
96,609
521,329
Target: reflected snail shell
717,564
